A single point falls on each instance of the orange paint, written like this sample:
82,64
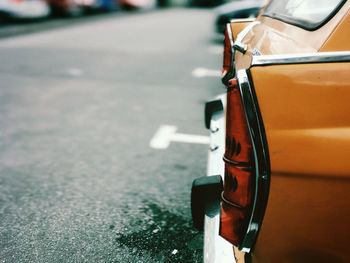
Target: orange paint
305,109
306,113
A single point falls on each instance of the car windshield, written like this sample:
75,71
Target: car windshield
309,14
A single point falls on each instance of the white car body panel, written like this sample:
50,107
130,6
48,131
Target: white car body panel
25,9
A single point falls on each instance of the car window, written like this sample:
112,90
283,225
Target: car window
309,14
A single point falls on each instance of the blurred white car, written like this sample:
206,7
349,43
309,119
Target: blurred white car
137,3
24,9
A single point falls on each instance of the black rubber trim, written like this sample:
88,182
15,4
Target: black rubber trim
263,176
210,108
205,199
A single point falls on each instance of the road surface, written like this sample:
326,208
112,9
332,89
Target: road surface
79,106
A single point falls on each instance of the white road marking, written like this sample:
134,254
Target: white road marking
167,134
204,72
75,72
216,49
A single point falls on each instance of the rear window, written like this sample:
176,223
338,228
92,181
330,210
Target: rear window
308,14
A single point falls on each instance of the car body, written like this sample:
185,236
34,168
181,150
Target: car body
24,9
70,7
285,138
236,9
137,3
203,3
105,5
79,7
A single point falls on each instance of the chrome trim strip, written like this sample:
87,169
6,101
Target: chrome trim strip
238,45
230,35
261,158
317,57
229,161
242,20
231,72
228,202
246,30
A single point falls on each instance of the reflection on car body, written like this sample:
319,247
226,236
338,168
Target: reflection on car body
287,137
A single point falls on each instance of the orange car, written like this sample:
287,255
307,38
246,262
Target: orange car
283,129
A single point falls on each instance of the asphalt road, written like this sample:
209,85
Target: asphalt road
79,105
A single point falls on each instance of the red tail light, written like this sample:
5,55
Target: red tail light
239,184
238,144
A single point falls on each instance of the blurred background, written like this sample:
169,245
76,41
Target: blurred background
101,126
19,10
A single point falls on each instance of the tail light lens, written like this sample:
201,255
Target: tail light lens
238,143
239,184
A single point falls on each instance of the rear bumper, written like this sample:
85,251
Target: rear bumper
216,249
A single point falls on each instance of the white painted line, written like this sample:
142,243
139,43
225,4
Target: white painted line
161,139
190,138
204,72
75,72
216,49
167,134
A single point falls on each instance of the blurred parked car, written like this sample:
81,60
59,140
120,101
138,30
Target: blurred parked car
137,3
205,2
105,5
163,3
70,7
24,9
236,9
283,129
79,7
